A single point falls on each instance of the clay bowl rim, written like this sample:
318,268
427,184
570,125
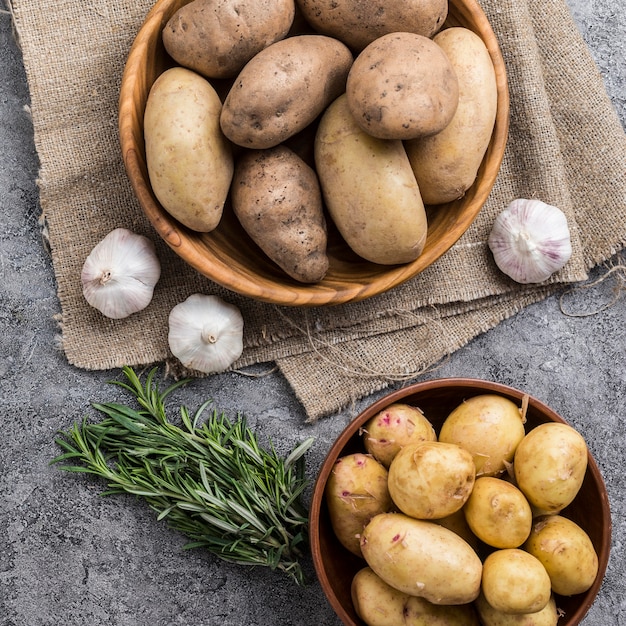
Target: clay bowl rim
462,387
273,286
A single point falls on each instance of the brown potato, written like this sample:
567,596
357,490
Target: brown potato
358,23
282,89
356,491
189,161
369,189
402,86
277,199
446,163
216,39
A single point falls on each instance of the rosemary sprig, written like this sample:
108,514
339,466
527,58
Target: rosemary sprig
211,481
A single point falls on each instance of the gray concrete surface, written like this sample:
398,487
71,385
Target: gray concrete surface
70,558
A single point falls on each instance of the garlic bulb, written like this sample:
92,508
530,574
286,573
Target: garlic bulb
206,333
120,273
530,240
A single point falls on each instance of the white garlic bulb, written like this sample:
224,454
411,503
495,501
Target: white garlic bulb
530,240
120,273
206,333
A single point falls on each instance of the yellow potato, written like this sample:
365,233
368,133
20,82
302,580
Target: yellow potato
355,492
490,427
422,559
216,39
457,523
189,161
380,604
393,427
402,86
382,217
515,581
498,513
548,616
550,465
283,88
277,199
431,479
376,602
566,552
358,23
446,164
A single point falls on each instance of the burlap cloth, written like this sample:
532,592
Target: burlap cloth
566,147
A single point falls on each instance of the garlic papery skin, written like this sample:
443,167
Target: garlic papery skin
120,274
530,240
206,333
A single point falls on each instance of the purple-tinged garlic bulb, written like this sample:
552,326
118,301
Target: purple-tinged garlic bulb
530,240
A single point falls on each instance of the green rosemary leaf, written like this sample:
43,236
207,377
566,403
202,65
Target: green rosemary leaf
209,478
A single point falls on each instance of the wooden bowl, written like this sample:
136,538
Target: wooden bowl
227,256
335,566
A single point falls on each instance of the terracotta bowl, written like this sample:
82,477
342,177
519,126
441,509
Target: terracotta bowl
335,566
227,255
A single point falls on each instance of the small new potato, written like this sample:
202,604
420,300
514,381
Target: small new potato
355,492
550,465
432,479
548,616
190,163
422,559
498,513
358,23
369,189
277,199
566,552
394,427
446,163
283,88
490,427
216,39
380,604
515,581
402,86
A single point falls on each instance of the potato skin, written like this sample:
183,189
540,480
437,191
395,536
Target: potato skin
490,427
283,88
422,559
355,492
548,616
358,23
392,428
566,552
446,163
189,161
402,86
216,39
515,581
277,199
498,513
382,217
379,604
550,465
431,479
